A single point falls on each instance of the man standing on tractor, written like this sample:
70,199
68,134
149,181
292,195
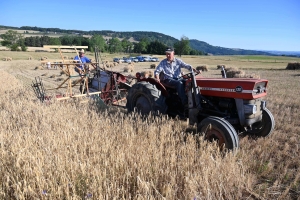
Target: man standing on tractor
171,74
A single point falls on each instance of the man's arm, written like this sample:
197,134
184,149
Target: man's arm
85,60
184,65
158,70
189,67
77,60
157,77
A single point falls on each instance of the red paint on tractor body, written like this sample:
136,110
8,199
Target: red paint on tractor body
240,88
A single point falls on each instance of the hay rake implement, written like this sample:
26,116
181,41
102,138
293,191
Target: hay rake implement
111,87
39,89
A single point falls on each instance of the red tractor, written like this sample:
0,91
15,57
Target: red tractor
221,108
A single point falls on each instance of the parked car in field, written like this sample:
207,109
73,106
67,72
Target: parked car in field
127,60
140,58
118,60
147,59
154,59
134,59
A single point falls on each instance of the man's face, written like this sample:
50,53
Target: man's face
81,54
170,55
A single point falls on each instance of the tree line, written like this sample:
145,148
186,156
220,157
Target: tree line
195,47
136,35
17,42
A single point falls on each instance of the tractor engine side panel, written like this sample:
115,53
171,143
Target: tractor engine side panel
233,87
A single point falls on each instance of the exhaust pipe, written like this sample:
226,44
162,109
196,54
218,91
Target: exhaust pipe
223,72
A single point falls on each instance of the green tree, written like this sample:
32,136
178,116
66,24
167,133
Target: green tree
23,48
30,41
126,45
85,41
21,43
44,40
182,47
97,41
195,52
156,48
14,47
77,41
114,45
141,47
37,41
54,41
12,39
66,40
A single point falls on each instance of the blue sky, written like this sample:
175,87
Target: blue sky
255,24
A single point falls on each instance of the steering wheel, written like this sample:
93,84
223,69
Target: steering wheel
190,74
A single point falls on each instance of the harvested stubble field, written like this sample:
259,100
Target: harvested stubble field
70,150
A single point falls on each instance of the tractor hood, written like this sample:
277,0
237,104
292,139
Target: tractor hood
240,88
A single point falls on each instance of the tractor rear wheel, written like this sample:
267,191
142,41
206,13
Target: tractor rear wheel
145,98
264,127
218,129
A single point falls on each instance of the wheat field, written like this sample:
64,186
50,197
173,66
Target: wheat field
75,150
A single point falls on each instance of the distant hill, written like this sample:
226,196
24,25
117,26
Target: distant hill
284,53
151,36
136,35
216,50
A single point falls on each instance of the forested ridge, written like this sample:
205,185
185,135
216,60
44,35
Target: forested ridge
144,41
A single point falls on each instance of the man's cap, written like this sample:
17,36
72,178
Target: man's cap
169,50
81,51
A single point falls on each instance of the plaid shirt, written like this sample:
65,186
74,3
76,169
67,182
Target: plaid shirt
171,69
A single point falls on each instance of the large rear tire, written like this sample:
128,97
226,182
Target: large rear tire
218,129
145,98
264,127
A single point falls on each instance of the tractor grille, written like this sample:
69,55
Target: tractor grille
253,108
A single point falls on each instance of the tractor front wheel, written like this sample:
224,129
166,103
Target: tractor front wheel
219,130
264,127
145,98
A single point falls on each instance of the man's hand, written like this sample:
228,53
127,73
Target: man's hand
197,71
157,78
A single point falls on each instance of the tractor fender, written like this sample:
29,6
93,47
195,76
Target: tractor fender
158,85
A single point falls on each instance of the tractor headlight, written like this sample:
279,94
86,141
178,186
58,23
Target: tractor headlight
250,109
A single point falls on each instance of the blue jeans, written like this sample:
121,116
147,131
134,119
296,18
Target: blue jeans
179,85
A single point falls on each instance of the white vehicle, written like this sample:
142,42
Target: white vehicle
127,60
134,59
147,59
118,60
154,59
